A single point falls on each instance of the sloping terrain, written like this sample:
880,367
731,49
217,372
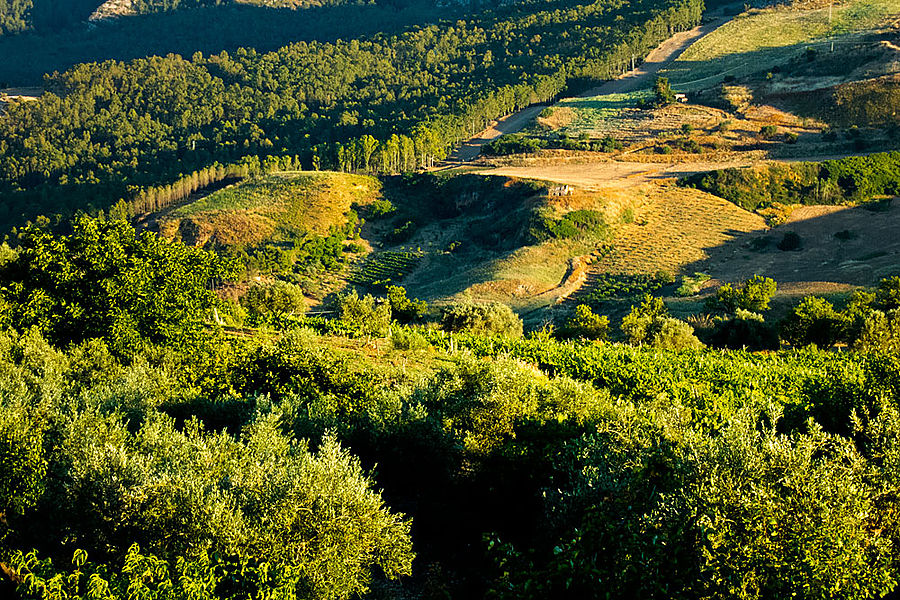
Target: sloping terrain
784,89
279,206
672,227
838,245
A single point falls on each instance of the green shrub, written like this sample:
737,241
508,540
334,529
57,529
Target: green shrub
768,131
790,242
109,281
814,321
607,144
403,338
649,324
404,309
753,295
585,324
371,316
382,207
189,496
851,179
489,317
574,224
879,332
744,329
402,233
265,301
512,144
690,286
663,92
480,403
887,296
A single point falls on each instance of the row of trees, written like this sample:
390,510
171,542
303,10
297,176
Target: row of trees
851,179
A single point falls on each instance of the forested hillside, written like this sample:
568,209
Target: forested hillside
46,16
105,131
17,16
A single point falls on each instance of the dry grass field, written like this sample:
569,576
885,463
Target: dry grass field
672,227
284,204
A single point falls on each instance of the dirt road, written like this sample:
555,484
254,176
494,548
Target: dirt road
508,124
598,175
660,56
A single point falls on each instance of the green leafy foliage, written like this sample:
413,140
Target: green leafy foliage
106,281
371,316
649,324
744,329
846,180
273,300
585,324
663,92
879,332
887,296
753,295
609,286
385,268
403,308
574,224
691,285
488,317
814,321
387,103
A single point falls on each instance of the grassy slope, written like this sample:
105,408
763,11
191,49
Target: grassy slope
759,39
280,206
666,229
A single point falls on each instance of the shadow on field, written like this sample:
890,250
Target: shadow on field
855,246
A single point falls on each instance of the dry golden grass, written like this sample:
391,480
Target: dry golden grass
672,228
559,117
286,204
761,38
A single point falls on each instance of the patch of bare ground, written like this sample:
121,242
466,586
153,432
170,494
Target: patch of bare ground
21,94
604,173
557,119
112,9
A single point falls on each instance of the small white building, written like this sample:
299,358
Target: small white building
562,190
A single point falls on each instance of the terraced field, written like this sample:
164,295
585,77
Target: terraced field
384,269
673,227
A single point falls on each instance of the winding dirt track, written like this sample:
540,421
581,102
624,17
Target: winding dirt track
639,78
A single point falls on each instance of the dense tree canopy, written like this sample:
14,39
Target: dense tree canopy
104,280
